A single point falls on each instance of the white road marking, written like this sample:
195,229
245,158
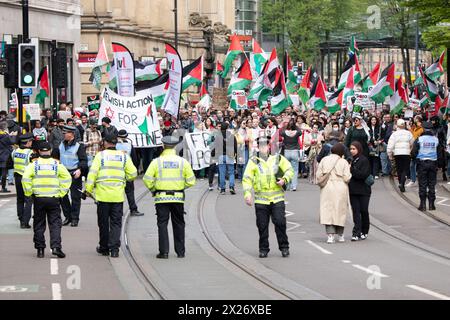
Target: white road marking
318,247
289,213
357,266
54,267
346,261
56,291
429,292
296,225
441,203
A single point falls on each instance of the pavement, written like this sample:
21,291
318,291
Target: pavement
406,256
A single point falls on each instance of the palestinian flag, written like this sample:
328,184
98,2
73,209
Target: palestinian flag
112,75
271,69
385,87
305,87
351,63
43,86
258,91
318,96
280,100
205,100
219,68
241,79
353,48
100,61
436,70
257,58
234,51
157,88
440,106
291,84
430,86
193,74
399,99
349,90
147,70
371,79
335,102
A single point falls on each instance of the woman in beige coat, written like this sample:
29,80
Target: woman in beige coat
334,196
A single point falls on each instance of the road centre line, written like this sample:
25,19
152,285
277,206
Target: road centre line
429,292
376,273
54,267
318,247
56,291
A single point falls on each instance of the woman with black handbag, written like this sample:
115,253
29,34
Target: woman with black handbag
360,191
374,146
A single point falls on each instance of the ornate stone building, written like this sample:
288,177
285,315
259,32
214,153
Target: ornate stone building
145,25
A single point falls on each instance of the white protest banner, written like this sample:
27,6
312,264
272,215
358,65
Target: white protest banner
124,68
409,114
135,114
295,100
171,102
33,110
200,154
363,100
238,100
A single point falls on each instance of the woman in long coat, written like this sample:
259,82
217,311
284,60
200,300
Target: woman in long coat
334,196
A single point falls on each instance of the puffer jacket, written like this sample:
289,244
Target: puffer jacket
400,143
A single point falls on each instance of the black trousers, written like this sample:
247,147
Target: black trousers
4,176
360,208
427,174
276,212
211,173
109,219
24,204
47,208
375,165
402,163
129,191
72,210
176,211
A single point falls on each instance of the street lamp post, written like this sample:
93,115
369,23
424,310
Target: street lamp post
175,12
417,46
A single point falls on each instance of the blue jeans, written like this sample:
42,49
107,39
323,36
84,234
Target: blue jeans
412,170
11,176
292,156
385,164
448,164
226,165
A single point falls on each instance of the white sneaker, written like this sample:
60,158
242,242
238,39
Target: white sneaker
448,183
410,184
331,238
341,238
363,236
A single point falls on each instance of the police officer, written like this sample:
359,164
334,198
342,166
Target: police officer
425,150
47,181
22,156
73,156
106,180
124,144
268,176
167,177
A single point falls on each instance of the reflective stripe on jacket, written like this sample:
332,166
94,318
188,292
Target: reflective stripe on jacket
21,158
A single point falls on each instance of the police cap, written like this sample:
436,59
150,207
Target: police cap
26,137
170,141
122,134
427,125
111,138
67,128
45,146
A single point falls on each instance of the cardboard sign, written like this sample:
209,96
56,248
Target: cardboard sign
239,97
33,110
363,100
199,152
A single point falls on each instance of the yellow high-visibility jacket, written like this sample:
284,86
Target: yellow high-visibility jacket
259,175
46,178
21,159
110,171
168,176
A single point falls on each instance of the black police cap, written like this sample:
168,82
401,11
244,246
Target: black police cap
26,137
111,138
45,146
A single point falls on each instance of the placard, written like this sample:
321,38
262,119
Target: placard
199,152
33,110
240,99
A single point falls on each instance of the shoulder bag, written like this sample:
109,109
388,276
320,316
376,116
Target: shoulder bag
322,181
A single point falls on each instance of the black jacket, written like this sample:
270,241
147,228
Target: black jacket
360,170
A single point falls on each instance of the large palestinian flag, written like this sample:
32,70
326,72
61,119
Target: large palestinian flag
43,86
147,70
193,74
257,59
280,100
385,86
258,91
158,88
335,102
399,99
241,79
318,96
291,84
234,51
351,63
430,86
271,69
349,90
353,48
371,79
305,86
436,70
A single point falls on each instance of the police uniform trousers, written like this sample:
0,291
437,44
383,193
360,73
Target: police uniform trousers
109,218
24,204
427,174
72,210
276,212
163,212
47,209
129,191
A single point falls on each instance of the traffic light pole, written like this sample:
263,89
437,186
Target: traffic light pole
54,84
25,39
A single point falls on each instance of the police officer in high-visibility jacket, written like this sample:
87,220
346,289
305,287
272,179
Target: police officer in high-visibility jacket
425,150
124,144
167,177
22,157
109,172
47,181
73,156
268,176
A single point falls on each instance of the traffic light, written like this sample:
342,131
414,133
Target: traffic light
60,68
12,59
28,65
